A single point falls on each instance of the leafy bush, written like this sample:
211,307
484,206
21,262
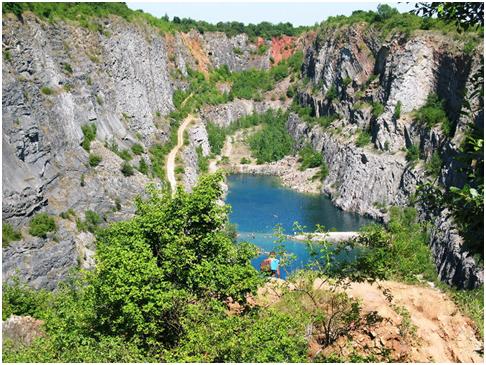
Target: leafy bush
346,81
262,49
434,165
90,223
377,109
309,158
179,170
137,149
245,161
332,93
9,234
202,161
125,155
67,67
433,113
89,132
398,251
413,153
126,169
273,141
42,224
94,160
142,166
216,137
398,110
47,90
363,139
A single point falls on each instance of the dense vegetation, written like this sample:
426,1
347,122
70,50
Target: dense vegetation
41,225
388,20
273,141
9,234
87,14
433,113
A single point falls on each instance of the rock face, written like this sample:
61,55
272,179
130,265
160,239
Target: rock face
22,330
60,77
121,78
454,263
406,72
225,114
360,179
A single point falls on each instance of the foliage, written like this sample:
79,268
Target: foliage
363,139
309,158
9,234
398,110
398,251
47,90
173,251
202,161
94,160
137,149
89,133
332,93
273,141
434,165
42,224
260,336
127,169
90,223
142,166
216,137
413,153
245,161
377,109
87,15
124,154
433,113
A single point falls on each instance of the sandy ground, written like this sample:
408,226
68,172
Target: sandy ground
173,153
441,333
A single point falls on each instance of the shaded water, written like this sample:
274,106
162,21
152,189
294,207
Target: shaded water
259,203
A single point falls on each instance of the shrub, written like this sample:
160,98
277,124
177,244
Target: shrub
42,224
9,234
89,132
398,110
142,166
90,223
137,149
433,113
67,67
347,80
309,158
179,170
7,55
99,100
413,153
273,141
81,180
125,155
332,93
216,137
127,169
68,214
47,90
377,109
363,139
245,161
237,51
262,49
202,161
434,165
94,160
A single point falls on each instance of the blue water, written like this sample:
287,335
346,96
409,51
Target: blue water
259,203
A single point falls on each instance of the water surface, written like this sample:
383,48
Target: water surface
259,203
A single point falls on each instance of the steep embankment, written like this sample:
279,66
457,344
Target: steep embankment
119,79
371,89
419,324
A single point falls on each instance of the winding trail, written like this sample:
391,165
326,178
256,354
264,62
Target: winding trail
173,153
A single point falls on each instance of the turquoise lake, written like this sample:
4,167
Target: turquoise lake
259,203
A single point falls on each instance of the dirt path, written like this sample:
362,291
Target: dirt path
173,153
